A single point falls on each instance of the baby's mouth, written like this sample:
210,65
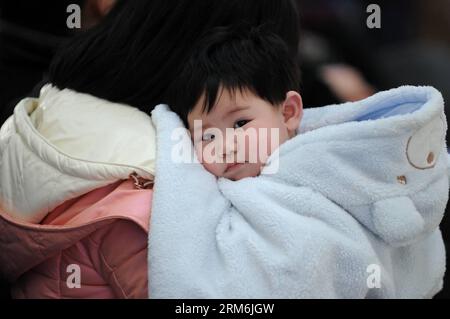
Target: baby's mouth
232,166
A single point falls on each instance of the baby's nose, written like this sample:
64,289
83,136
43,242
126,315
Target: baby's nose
229,146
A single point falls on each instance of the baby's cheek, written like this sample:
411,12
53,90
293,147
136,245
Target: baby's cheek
260,150
208,161
276,138
198,151
214,168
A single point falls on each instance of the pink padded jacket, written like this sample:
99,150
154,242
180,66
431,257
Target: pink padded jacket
103,232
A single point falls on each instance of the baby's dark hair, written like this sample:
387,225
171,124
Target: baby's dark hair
236,58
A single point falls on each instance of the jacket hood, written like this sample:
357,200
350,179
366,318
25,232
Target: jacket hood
384,159
65,144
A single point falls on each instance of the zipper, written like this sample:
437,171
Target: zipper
140,182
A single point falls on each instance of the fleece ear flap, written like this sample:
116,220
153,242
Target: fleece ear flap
397,221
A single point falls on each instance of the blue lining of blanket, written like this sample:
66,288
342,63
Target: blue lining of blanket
391,110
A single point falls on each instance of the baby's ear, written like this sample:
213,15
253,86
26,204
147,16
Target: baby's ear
292,110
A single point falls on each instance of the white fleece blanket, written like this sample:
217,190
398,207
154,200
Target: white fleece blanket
352,212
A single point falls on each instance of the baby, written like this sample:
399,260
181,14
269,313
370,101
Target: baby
352,210
237,95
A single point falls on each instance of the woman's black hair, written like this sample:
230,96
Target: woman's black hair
133,55
234,58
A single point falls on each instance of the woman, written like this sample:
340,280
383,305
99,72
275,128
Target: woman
77,164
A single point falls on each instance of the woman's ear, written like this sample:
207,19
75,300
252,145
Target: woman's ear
292,110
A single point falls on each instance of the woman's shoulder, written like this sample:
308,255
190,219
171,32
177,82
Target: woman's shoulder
47,164
118,201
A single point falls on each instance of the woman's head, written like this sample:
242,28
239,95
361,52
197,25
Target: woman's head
134,53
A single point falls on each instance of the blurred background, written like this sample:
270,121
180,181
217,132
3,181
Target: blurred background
340,58
341,55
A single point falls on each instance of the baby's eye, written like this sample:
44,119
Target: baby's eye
208,137
240,123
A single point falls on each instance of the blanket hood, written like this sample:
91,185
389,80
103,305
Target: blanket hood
65,144
383,159
356,191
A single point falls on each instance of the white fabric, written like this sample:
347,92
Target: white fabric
89,128
71,144
357,193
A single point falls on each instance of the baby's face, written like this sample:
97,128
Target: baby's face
235,139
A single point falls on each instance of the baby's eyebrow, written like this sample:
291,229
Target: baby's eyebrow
204,127
236,109
232,110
